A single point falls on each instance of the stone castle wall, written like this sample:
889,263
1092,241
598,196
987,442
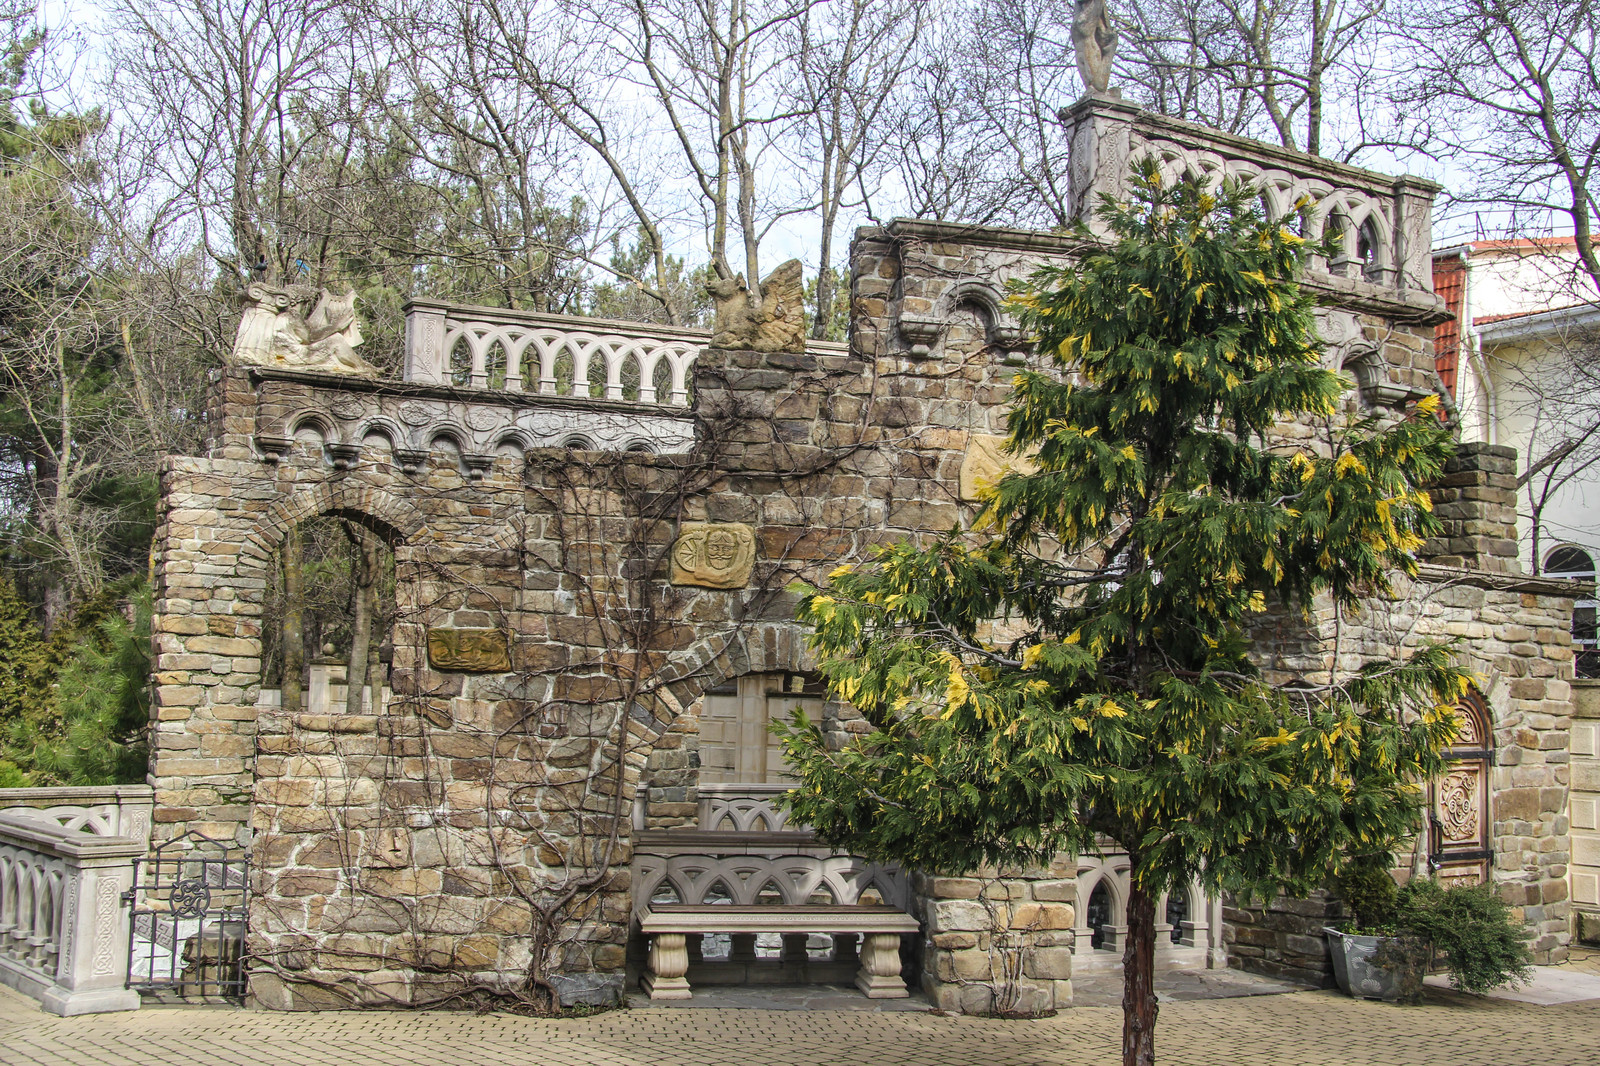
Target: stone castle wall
415,851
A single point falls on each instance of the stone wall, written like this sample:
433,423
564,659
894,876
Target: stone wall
483,815
1514,634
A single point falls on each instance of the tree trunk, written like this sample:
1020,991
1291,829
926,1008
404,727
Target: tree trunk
294,645
361,626
1138,981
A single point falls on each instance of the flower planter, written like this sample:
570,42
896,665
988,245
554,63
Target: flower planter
1355,970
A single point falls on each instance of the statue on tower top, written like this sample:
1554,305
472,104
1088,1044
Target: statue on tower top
1094,39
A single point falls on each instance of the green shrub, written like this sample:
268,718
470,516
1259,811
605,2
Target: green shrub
74,709
1369,893
1485,945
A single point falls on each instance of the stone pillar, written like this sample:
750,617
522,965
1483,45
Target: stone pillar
844,948
426,360
794,949
743,949
880,967
1099,129
669,962
971,923
1476,500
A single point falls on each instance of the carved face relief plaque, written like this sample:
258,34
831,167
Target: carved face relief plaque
473,651
985,464
713,555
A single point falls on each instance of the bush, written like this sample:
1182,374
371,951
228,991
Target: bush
1369,893
74,709
1486,946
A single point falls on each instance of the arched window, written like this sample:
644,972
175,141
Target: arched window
1099,913
1177,912
1571,562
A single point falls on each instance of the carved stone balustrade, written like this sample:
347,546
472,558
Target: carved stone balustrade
1384,222
552,355
63,925
105,810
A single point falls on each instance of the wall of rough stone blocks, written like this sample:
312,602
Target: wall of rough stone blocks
401,854
1515,635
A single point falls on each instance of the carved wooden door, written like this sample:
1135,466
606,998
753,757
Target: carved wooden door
1461,823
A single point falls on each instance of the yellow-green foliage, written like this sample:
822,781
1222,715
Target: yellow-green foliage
1159,523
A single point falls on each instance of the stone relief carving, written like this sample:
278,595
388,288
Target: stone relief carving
475,651
985,463
713,555
1094,39
300,328
776,324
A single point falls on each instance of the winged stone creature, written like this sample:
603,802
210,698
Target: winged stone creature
276,330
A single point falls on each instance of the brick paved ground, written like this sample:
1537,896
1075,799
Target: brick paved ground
1301,1029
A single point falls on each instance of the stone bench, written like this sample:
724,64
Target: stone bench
668,925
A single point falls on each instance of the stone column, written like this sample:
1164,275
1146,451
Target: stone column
844,948
743,949
880,967
669,962
426,359
794,949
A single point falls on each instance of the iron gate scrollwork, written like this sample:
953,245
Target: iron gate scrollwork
187,912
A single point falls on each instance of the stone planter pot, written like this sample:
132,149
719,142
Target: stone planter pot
1354,970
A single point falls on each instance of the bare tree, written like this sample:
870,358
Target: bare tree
222,90
850,58
1509,90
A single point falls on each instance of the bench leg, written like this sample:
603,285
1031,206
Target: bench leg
669,961
880,967
844,948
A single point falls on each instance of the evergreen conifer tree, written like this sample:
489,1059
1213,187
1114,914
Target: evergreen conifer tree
1076,667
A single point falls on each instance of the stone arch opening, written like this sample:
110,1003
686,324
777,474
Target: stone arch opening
329,606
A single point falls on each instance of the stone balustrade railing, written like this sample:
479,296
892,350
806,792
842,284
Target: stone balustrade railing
550,355
63,924
105,810
1383,223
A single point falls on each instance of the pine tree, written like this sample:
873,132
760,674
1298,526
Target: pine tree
1163,519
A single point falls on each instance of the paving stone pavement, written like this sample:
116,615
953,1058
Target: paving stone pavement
1295,1029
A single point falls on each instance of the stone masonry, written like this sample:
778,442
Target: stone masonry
476,825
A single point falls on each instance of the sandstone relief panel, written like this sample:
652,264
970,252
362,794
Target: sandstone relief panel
985,463
714,555
473,651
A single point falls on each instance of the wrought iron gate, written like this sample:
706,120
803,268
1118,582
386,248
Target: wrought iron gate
188,907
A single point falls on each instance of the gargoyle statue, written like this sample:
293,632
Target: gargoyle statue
1094,39
777,324
277,330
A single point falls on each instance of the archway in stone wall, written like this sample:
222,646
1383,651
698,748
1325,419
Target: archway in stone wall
329,608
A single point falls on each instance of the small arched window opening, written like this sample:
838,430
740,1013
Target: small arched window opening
1367,252
1568,561
1098,914
1177,912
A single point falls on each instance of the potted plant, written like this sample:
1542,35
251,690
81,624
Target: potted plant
1397,933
